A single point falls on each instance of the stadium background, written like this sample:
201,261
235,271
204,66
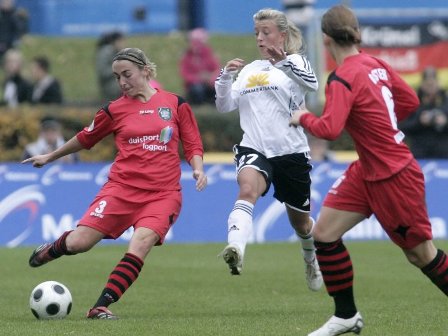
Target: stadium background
37,205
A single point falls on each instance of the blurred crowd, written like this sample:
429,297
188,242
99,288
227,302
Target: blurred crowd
32,82
39,87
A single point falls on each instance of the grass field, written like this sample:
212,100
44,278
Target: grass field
187,290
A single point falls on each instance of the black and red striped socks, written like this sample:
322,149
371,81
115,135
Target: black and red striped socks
121,278
59,248
437,271
337,272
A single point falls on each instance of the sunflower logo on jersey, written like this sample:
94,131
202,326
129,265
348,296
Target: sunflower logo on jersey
260,79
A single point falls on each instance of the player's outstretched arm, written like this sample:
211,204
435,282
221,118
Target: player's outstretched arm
71,146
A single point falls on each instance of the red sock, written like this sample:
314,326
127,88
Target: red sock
337,272
59,248
437,271
121,278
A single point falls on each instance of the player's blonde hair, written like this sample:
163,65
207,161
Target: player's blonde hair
294,43
137,57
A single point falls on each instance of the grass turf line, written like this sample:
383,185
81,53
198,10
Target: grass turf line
185,289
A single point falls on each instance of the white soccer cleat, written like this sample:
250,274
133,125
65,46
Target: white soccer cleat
338,326
314,278
234,259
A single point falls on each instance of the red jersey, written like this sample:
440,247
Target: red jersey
366,96
147,138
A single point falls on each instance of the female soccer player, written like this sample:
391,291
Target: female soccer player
266,92
366,97
143,190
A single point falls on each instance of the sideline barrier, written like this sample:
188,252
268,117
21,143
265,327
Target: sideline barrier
38,205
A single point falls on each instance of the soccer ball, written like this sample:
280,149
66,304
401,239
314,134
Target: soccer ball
50,300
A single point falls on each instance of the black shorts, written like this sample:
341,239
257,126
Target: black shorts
290,175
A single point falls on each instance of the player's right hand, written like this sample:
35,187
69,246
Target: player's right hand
234,65
38,161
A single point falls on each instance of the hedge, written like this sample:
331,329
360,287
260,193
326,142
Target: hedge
19,127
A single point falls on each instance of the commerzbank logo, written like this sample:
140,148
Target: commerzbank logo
257,83
260,79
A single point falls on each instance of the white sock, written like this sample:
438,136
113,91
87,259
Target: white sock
240,224
308,245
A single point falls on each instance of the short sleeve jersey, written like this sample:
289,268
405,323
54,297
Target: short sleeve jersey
367,98
147,136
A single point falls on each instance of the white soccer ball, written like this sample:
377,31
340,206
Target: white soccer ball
50,300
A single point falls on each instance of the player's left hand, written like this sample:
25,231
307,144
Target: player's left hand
295,119
275,54
201,179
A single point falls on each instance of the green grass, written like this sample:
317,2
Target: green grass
186,290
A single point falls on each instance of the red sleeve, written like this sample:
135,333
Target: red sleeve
338,103
189,132
100,127
405,98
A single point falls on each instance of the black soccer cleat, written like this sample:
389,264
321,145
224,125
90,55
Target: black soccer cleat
40,255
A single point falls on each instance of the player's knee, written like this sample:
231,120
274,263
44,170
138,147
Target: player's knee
76,243
322,235
414,259
142,242
248,192
422,254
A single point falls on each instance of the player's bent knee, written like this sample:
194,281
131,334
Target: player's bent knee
422,254
76,243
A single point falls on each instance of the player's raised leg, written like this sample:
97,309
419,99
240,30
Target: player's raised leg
70,242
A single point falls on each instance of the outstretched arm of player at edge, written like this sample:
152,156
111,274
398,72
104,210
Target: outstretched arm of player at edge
71,146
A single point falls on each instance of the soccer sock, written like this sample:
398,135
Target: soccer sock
337,272
59,248
437,271
308,248
240,224
121,278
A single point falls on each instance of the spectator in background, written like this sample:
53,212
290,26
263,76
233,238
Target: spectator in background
13,25
16,89
319,149
300,12
50,138
427,129
46,88
107,47
199,67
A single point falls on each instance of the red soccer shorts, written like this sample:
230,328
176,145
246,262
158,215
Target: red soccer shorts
118,207
397,202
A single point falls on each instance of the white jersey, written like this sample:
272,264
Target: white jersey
266,95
